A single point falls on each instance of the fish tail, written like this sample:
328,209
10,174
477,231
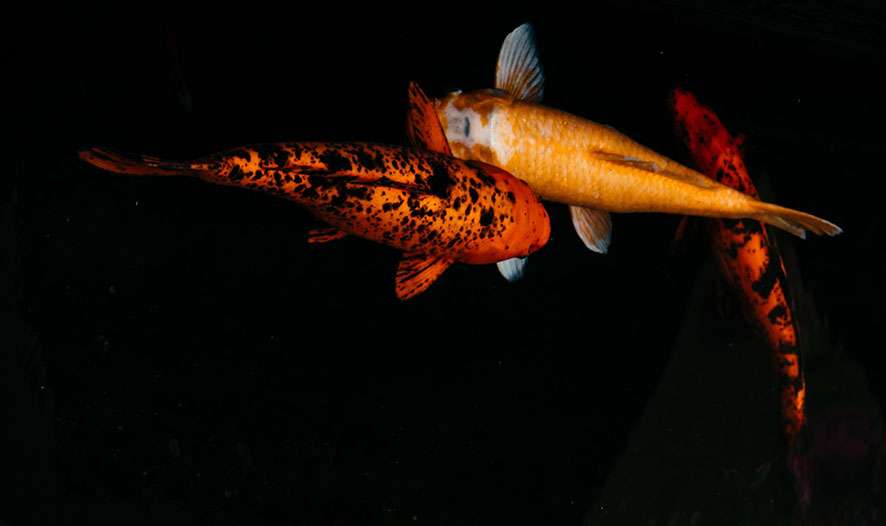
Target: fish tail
135,164
794,221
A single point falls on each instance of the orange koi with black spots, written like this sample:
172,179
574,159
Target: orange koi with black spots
435,208
747,255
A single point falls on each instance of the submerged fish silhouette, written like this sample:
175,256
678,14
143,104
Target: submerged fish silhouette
434,207
748,257
589,166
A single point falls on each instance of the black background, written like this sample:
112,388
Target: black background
192,359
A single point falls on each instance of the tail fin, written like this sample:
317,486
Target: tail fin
794,221
134,164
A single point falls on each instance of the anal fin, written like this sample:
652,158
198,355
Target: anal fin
594,227
416,272
325,235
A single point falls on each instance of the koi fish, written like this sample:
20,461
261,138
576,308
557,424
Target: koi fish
750,262
590,167
435,208
748,257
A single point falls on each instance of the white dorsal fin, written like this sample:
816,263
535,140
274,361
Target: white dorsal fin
519,71
512,269
594,227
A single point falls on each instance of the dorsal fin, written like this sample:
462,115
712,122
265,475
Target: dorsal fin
422,125
519,70
696,179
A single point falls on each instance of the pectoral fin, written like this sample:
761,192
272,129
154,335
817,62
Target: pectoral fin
512,269
594,227
422,124
417,272
325,235
519,70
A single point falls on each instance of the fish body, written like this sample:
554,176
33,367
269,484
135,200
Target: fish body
435,208
748,257
576,161
591,167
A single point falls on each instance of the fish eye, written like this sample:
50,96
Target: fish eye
467,127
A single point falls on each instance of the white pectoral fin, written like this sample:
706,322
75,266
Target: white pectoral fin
512,269
594,227
519,70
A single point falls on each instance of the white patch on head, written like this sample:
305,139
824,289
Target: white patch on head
537,136
465,127
501,148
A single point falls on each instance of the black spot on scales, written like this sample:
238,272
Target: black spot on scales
487,216
339,199
242,153
474,195
309,192
485,178
778,313
439,181
368,160
763,286
511,197
360,192
268,153
390,206
335,162
317,180
236,174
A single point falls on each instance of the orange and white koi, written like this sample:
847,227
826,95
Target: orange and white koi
435,208
589,166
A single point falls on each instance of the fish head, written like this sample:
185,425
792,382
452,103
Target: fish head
531,226
467,120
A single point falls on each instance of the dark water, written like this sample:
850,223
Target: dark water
175,353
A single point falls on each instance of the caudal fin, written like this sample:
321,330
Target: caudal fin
134,164
794,221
